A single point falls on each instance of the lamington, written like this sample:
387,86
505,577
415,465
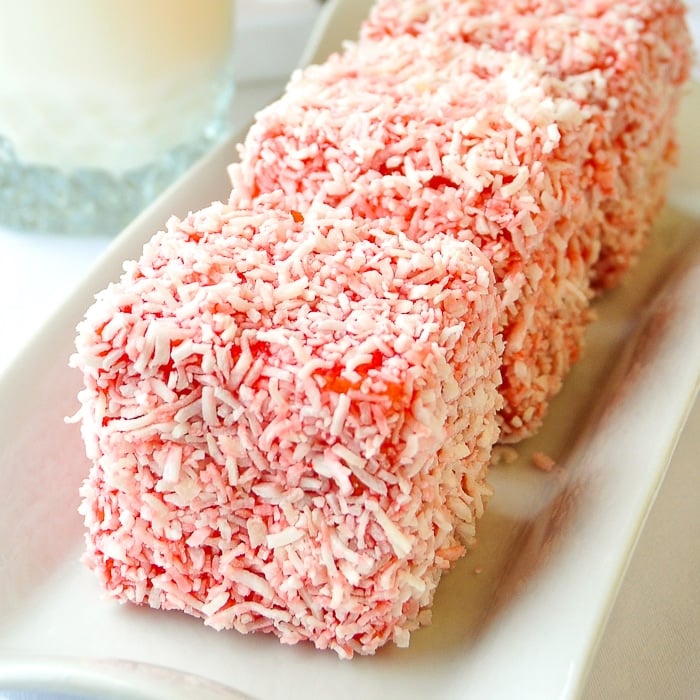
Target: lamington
479,144
290,423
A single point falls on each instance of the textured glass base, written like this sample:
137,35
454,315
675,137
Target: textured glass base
91,201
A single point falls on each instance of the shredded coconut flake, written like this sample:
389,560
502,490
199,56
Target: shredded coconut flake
543,461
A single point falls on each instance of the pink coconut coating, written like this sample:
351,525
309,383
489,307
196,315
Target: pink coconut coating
638,54
291,399
479,144
290,422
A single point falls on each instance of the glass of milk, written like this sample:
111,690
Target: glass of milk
104,102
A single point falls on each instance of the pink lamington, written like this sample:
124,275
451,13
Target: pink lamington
445,138
636,52
290,423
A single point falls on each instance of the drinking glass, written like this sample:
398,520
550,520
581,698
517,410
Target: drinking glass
103,103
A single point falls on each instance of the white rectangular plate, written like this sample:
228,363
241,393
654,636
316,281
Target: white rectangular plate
519,617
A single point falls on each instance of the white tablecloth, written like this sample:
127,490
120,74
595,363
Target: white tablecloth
651,646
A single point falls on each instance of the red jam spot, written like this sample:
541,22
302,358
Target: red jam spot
438,182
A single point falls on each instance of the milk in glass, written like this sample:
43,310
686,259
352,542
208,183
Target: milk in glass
104,102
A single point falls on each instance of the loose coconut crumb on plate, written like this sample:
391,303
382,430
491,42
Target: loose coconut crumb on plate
543,461
504,454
